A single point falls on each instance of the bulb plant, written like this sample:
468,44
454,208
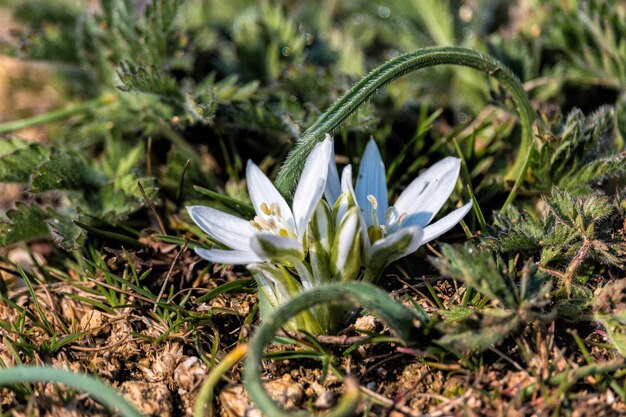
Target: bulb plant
333,232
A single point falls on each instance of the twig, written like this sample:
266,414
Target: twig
167,277
152,207
341,340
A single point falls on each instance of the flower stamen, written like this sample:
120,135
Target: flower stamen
373,200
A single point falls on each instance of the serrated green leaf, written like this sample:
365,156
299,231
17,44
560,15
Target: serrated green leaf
477,268
19,159
66,171
25,222
65,233
515,231
116,200
479,331
456,313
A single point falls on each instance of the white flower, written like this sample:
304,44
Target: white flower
390,233
277,231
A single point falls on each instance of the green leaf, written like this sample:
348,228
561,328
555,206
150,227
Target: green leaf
456,313
513,231
25,222
582,153
477,268
65,233
19,159
66,170
94,387
610,311
479,331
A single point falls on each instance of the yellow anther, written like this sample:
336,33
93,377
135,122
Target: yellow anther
275,209
256,225
262,223
372,200
283,233
265,209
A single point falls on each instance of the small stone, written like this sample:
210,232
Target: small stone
234,401
326,400
93,322
365,324
152,399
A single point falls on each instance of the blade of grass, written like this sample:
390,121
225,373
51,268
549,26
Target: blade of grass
86,383
47,326
237,205
231,286
398,317
56,115
109,235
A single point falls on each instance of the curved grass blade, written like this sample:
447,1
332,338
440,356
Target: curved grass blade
86,383
399,318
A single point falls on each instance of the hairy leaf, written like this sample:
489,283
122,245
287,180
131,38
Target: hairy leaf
19,159
477,268
25,222
480,330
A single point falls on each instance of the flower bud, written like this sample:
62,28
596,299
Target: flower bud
345,258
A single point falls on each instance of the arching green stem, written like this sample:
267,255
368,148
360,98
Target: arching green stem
397,316
383,75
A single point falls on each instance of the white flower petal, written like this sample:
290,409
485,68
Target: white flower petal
346,239
440,227
223,227
402,243
346,198
428,192
372,180
333,184
346,180
232,257
275,247
311,185
262,190
346,187
323,226
417,240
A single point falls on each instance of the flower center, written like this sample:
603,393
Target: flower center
271,221
393,220
376,230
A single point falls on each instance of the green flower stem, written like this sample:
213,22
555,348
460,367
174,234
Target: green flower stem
96,388
383,75
397,316
58,114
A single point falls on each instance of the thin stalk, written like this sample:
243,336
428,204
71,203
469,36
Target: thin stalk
56,115
383,75
204,401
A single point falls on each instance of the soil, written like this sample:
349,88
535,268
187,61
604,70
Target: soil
162,375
